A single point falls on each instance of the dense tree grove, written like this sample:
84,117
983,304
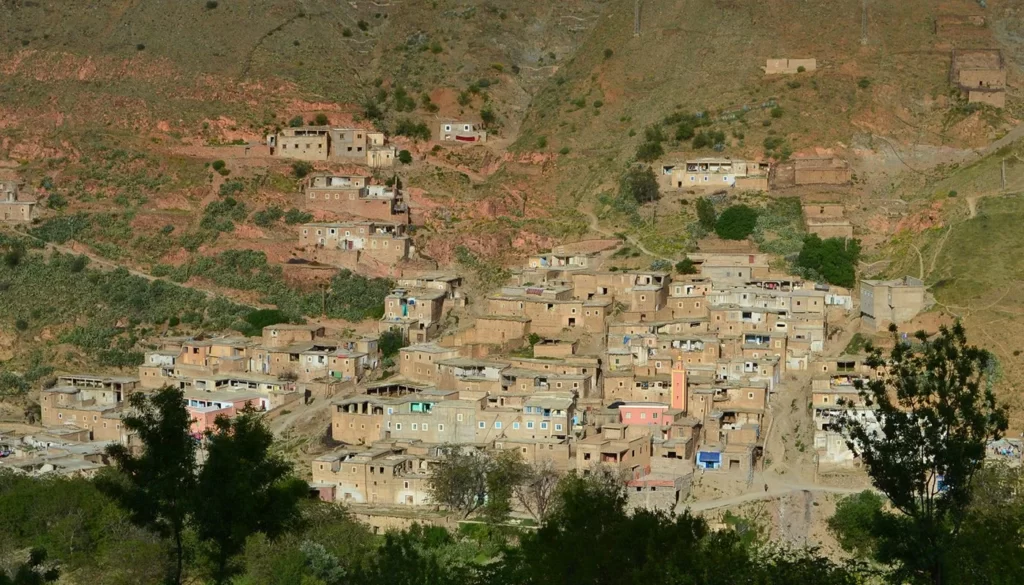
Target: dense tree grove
832,259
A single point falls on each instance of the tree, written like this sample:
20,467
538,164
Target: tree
460,479
990,546
936,413
736,223
854,522
296,122
706,215
639,184
536,490
321,120
242,489
834,259
505,471
301,168
405,157
157,486
390,342
686,266
31,572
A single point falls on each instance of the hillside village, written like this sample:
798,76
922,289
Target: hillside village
704,373
658,375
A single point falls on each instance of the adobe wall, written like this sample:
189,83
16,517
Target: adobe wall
824,210
995,99
982,78
822,176
831,230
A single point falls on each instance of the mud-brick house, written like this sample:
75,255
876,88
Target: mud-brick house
346,243
980,75
309,143
462,132
14,206
354,196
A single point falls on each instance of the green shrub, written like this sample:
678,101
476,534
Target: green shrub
405,157
301,168
218,165
608,54
293,216
686,266
598,103
414,130
736,222
777,112
563,151
220,215
267,217
229,188
346,32
706,215
487,115
542,142
21,325
863,83
56,201
211,4
363,25
801,69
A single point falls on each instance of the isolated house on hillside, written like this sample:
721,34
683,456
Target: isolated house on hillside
462,131
14,206
789,66
323,143
891,301
309,143
716,173
980,74
827,170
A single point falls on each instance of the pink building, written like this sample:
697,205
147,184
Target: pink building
644,413
205,407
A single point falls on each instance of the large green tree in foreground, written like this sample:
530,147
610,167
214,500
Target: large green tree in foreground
936,413
157,486
242,489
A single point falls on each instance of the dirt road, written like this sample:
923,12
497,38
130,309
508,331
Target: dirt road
776,489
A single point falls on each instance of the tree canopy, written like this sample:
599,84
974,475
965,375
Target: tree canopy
736,222
833,259
935,413
639,184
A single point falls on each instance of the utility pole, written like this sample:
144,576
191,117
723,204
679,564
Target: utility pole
864,22
636,18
